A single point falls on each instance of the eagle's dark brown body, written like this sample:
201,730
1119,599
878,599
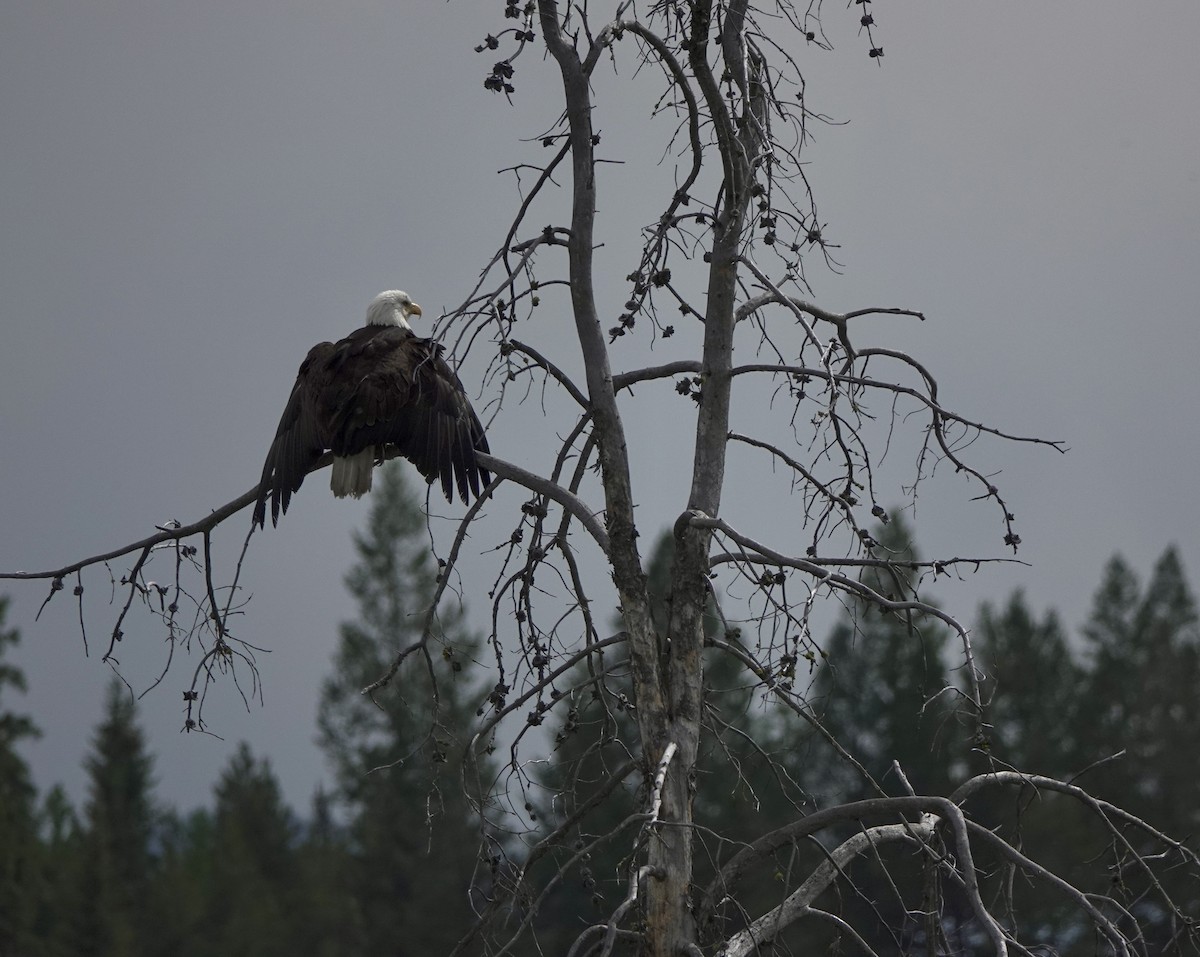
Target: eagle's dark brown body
380,386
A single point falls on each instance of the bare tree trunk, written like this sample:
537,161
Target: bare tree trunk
668,670
669,926
671,921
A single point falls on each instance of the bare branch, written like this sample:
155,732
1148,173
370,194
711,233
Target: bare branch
535,483
165,534
852,586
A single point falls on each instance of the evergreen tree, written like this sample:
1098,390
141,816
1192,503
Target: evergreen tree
118,827
18,829
1032,690
1169,725
59,887
186,891
1114,663
253,869
1140,693
327,914
412,831
881,691
1031,687
1139,698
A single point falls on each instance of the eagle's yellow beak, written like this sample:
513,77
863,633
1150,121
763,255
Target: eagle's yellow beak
414,309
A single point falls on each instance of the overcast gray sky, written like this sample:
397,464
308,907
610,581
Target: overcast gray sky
191,195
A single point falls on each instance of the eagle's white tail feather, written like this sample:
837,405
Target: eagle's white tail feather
352,475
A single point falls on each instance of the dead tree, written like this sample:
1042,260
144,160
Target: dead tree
719,267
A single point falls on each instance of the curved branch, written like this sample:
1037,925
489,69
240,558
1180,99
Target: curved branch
535,483
499,467
797,903
837,319
625,379
1115,938
561,377
852,586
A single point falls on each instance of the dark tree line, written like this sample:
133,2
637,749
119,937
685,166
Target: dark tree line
387,860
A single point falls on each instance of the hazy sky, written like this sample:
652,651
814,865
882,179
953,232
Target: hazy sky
191,195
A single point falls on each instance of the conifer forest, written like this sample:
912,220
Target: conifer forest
378,863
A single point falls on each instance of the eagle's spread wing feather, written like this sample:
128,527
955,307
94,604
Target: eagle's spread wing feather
297,445
379,386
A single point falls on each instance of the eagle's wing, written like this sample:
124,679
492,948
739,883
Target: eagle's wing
299,440
388,386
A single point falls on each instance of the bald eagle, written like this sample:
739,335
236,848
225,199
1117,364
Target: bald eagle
380,386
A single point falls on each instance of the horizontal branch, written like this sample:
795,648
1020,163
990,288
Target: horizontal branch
850,585
937,566
625,379
499,467
165,534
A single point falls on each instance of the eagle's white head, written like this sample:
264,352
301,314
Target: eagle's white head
392,308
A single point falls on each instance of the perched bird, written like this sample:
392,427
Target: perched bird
380,386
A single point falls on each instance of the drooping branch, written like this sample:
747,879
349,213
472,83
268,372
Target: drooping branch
936,813
535,483
824,576
763,931
558,375
1115,938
